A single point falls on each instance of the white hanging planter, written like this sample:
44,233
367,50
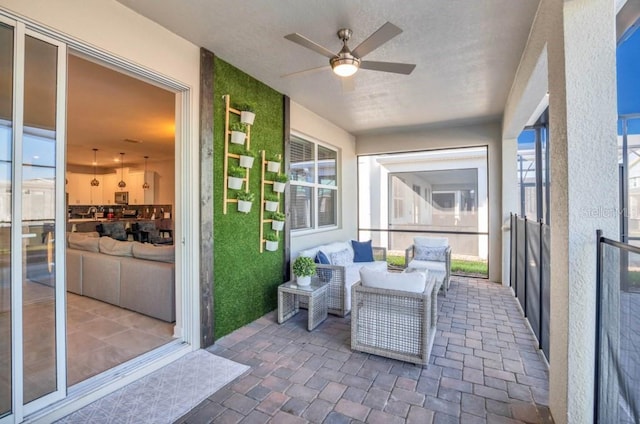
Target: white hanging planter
238,137
273,166
271,206
303,280
271,246
244,206
234,183
279,187
246,161
247,117
277,225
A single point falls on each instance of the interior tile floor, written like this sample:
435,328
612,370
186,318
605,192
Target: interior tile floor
484,368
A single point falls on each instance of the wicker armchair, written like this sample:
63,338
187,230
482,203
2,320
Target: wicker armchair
337,278
445,266
393,323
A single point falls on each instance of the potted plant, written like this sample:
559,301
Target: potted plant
304,268
245,199
235,178
271,202
280,182
247,113
238,132
273,163
277,221
271,240
246,158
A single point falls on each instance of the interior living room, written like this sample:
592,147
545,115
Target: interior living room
332,85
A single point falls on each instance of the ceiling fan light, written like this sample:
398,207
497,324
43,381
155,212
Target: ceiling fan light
345,66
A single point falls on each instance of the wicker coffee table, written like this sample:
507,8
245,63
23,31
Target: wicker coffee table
289,295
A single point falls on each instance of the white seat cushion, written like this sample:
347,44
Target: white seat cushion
414,282
352,276
428,265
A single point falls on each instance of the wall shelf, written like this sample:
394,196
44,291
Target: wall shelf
266,183
228,155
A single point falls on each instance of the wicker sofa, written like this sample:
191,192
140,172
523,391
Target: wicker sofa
430,254
341,277
394,315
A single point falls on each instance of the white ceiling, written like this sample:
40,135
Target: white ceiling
466,53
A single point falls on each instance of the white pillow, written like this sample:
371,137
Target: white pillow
414,282
431,241
341,258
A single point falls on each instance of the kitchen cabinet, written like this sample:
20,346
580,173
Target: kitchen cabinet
138,195
79,188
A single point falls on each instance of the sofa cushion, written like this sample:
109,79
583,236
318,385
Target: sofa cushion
425,253
362,251
154,253
324,274
341,258
82,242
114,247
427,265
431,241
414,282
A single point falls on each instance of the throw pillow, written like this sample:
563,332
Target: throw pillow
324,274
81,242
424,253
341,258
362,251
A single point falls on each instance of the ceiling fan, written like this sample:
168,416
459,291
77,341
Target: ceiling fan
346,62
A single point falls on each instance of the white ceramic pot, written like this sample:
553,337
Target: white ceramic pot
303,280
247,117
273,166
270,206
234,183
271,246
244,206
277,225
279,187
238,137
246,161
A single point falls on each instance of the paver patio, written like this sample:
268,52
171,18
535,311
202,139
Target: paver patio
484,368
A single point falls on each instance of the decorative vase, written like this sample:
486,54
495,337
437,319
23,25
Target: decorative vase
235,183
246,161
247,117
238,137
279,187
271,246
244,206
303,280
270,206
273,166
277,225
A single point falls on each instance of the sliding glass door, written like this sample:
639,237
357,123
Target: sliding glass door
32,327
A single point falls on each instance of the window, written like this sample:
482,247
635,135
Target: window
314,185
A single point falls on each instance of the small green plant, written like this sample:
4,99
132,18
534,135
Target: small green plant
281,178
271,197
248,153
271,236
245,196
304,267
238,126
273,157
278,216
236,171
246,107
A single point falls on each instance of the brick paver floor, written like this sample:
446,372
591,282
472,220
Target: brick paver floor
484,368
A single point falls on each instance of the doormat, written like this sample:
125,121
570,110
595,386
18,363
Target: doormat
164,395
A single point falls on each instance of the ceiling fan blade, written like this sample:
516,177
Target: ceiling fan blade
306,71
385,33
396,68
348,84
305,42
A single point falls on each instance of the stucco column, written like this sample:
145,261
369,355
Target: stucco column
510,196
581,58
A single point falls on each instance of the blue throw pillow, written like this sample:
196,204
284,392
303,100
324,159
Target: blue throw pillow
362,251
324,274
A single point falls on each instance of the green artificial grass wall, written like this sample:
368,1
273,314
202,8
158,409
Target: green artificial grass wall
245,280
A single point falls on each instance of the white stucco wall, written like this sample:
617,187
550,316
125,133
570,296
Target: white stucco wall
485,134
305,122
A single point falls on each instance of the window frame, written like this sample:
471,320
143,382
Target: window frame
315,186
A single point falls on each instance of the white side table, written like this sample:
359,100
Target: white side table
288,301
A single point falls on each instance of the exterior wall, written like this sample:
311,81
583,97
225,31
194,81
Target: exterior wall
486,134
305,122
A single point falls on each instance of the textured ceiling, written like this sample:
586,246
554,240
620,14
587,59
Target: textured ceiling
466,53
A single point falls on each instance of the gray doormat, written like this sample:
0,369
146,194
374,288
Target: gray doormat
164,395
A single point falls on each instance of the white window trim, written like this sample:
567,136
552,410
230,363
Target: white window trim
316,185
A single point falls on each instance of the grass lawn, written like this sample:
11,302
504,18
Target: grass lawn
458,266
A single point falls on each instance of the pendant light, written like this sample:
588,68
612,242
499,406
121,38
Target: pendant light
122,184
95,182
146,185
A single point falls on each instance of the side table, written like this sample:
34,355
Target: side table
289,301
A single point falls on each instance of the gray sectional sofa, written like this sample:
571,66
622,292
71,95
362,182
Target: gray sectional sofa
136,276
